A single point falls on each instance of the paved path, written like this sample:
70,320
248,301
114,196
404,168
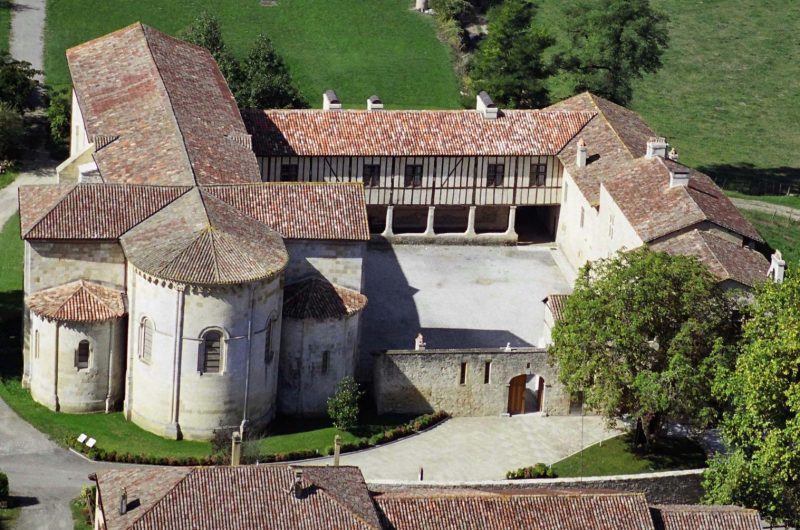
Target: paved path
474,449
40,170
27,31
761,206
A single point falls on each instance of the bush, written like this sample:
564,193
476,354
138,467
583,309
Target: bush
59,113
12,132
343,405
535,471
3,486
16,82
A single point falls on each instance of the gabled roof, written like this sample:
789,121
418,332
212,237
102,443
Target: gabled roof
199,239
411,133
690,517
319,299
725,259
243,497
89,211
303,210
78,301
161,111
409,510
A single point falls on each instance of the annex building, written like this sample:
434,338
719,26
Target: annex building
200,266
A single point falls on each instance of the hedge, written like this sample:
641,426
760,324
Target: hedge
412,427
535,471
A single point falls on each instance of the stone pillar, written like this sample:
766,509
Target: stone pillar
429,228
512,220
471,221
387,230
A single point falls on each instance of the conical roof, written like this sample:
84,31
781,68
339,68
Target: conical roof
319,299
199,239
78,301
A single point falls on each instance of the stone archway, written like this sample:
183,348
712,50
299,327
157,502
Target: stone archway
526,394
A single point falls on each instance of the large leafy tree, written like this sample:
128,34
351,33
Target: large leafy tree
762,429
642,335
206,32
267,81
612,43
509,64
17,82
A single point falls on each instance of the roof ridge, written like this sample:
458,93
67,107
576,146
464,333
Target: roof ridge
354,514
159,501
48,211
71,296
610,125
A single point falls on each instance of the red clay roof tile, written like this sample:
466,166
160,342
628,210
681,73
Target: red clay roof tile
78,301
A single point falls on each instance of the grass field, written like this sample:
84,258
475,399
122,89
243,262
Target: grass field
780,232
617,457
357,48
8,516
791,201
5,23
726,96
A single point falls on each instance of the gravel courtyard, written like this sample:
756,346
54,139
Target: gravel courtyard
457,296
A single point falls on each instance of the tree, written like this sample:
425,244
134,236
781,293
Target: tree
17,83
267,82
762,428
642,335
612,43
206,32
12,132
343,405
509,64
59,112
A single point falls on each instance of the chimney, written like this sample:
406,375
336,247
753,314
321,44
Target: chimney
330,101
656,147
123,502
580,159
374,103
297,487
236,449
678,177
777,267
673,155
486,106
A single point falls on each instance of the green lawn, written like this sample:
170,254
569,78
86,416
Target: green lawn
617,457
8,516
357,48
7,178
780,232
5,23
727,95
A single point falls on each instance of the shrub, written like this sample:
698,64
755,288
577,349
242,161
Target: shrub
343,405
59,113
535,471
16,82
12,132
3,486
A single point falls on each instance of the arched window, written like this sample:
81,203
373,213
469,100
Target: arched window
146,331
82,357
212,352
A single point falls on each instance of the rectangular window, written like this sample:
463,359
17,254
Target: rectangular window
413,177
538,175
494,175
582,215
487,372
371,175
289,172
462,380
325,356
82,358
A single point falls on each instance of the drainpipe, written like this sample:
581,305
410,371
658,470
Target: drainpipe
176,370
249,356
55,371
110,362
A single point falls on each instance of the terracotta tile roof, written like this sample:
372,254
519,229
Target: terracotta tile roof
319,299
243,497
419,133
89,211
725,259
555,302
199,239
78,301
456,511
685,517
303,210
160,109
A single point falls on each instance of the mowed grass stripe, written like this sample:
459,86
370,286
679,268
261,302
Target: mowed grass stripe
357,48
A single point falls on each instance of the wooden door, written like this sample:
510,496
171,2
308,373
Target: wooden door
516,395
540,395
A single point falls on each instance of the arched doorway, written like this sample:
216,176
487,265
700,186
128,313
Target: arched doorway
526,394
516,394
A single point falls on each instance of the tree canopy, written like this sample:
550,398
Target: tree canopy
612,43
642,335
17,82
509,64
762,429
206,32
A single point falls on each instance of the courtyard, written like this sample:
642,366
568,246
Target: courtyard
457,296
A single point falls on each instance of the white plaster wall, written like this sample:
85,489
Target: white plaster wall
338,261
575,241
205,401
78,138
609,241
303,386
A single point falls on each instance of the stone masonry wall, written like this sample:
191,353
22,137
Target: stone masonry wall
416,382
338,261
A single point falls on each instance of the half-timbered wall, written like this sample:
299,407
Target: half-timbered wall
444,180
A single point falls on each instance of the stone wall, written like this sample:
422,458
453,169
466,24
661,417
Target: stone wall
338,261
306,379
416,382
49,264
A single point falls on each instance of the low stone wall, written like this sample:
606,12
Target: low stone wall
465,382
669,487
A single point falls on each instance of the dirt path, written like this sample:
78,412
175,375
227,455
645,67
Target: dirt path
760,206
